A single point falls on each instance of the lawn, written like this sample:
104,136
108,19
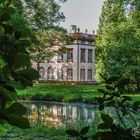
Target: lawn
60,92
64,93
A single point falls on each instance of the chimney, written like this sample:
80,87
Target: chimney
73,28
86,31
93,32
78,30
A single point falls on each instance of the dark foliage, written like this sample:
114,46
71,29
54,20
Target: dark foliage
15,67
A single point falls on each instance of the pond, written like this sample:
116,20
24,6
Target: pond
60,114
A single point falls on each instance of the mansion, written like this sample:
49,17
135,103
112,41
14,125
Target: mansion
76,65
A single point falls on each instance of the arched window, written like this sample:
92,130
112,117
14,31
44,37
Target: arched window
60,74
41,73
50,73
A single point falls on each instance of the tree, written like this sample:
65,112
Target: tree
42,14
15,66
134,20
50,42
116,43
112,15
43,18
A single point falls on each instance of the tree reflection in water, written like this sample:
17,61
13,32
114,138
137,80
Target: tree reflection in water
60,114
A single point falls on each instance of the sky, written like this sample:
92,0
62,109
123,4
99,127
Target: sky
83,13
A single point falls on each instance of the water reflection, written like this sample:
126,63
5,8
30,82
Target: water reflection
60,114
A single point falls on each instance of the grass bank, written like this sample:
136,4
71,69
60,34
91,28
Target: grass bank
61,92
64,93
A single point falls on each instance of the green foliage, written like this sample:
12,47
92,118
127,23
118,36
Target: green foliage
34,132
82,135
43,18
118,42
113,97
50,41
15,67
42,14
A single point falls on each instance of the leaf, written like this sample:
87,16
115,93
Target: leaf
103,91
21,60
107,119
84,130
17,35
108,87
8,2
5,16
1,1
6,95
2,63
122,82
10,10
25,43
105,135
2,31
72,132
117,94
100,100
16,84
17,108
31,73
8,28
10,88
127,98
17,120
136,105
103,126
110,103
103,77
112,79
25,81
101,107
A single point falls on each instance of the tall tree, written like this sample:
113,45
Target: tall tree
112,15
134,20
117,42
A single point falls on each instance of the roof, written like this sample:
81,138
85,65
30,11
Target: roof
83,36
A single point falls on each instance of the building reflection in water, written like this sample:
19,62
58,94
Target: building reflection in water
58,114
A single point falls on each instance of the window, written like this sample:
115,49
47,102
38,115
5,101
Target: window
60,74
50,74
70,74
83,42
89,56
82,55
41,73
82,75
60,57
70,55
89,43
89,76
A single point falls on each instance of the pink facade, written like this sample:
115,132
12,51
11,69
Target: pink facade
77,64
